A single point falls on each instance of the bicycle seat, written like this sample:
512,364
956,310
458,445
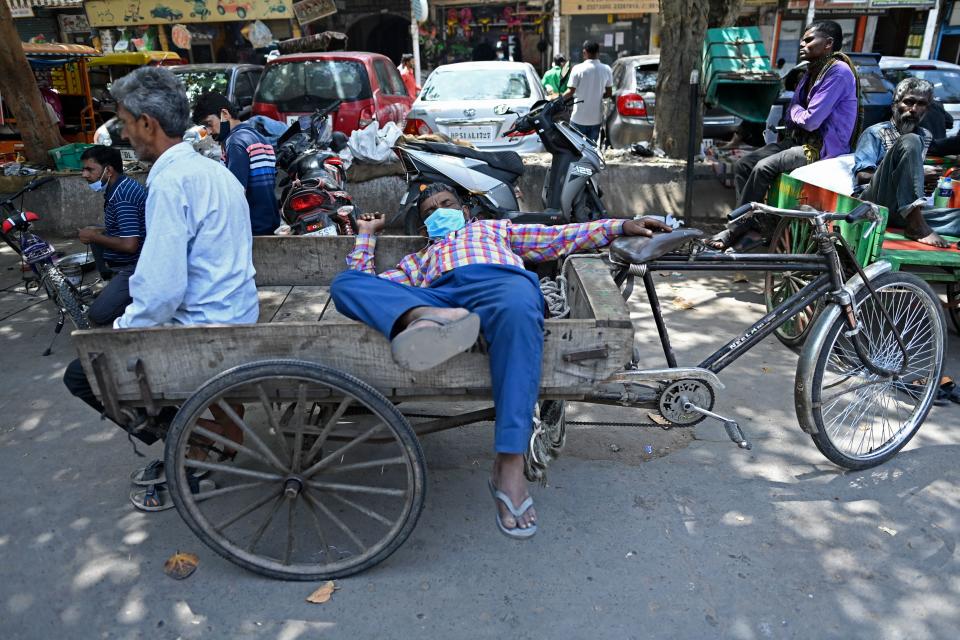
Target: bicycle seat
640,249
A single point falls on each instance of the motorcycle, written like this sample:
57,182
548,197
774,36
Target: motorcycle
314,199
487,181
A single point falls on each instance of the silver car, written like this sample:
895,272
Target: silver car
629,114
478,102
945,77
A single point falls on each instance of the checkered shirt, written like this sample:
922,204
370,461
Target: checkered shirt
487,242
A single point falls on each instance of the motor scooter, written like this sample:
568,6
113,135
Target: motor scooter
487,181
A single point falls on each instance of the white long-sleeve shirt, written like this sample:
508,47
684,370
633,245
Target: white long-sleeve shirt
196,265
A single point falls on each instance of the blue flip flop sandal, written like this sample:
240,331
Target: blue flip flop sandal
516,533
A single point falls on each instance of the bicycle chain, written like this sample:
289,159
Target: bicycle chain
579,423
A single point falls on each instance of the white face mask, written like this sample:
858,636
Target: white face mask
99,185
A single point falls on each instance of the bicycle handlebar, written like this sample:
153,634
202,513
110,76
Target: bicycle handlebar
865,210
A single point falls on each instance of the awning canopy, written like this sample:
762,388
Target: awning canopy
61,4
54,50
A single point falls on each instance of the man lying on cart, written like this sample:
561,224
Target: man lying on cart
471,277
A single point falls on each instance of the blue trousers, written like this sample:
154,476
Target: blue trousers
510,306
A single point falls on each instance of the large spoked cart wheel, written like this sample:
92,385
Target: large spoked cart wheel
317,474
857,417
791,236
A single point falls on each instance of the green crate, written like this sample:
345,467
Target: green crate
67,157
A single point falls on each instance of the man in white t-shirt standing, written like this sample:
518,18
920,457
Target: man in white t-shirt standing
590,82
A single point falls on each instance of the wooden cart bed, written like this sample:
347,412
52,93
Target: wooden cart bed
298,320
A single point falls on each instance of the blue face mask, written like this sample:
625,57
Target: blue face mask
98,186
442,222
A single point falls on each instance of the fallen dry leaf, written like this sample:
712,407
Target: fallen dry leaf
765,369
682,303
322,594
181,565
740,277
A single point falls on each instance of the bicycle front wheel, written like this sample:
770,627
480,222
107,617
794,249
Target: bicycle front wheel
64,297
863,419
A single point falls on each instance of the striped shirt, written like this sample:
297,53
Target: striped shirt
252,160
487,242
123,217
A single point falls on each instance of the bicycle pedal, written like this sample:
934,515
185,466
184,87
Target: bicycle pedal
734,432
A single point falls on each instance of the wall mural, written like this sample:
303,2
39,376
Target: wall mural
118,13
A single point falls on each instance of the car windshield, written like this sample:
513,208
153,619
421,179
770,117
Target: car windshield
308,84
646,79
476,84
946,82
198,82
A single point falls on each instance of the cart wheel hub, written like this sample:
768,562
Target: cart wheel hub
292,487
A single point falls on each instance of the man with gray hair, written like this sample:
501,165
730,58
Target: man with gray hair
196,263
889,161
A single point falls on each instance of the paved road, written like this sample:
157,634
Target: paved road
700,540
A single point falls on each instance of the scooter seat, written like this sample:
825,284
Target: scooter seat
508,161
641,249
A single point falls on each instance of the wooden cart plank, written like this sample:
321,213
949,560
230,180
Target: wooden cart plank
303,304
312,260
270,300
178,360
591,293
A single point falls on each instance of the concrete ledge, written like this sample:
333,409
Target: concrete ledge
629,188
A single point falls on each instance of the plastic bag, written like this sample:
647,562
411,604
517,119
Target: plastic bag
374,145
260,35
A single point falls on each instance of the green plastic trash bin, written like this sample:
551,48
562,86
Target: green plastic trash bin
67,157
736,73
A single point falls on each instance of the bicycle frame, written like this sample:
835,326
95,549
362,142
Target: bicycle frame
829,284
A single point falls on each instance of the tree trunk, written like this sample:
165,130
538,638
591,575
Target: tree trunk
20,93
683,24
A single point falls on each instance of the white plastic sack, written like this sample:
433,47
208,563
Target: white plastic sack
373,145
259,35
835,174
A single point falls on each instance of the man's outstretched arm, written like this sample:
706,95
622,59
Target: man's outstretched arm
541,243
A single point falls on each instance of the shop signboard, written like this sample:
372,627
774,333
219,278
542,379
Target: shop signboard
595,7
122,13
73,23
17,11
310,10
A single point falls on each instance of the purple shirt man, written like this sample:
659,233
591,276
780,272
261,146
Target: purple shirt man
831,109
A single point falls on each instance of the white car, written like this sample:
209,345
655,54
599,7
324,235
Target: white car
945,77
478,102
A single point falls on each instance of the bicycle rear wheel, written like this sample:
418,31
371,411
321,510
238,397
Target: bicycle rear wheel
863,419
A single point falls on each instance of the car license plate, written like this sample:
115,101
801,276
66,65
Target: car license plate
128,155
472,134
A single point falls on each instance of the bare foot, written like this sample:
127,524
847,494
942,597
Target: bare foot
933,239
508,478
918,230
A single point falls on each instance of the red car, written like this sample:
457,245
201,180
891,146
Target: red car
368,85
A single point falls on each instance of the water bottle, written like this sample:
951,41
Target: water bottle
941,198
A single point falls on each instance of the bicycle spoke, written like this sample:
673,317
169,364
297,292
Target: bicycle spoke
227,442
250,433
271,419
368,465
